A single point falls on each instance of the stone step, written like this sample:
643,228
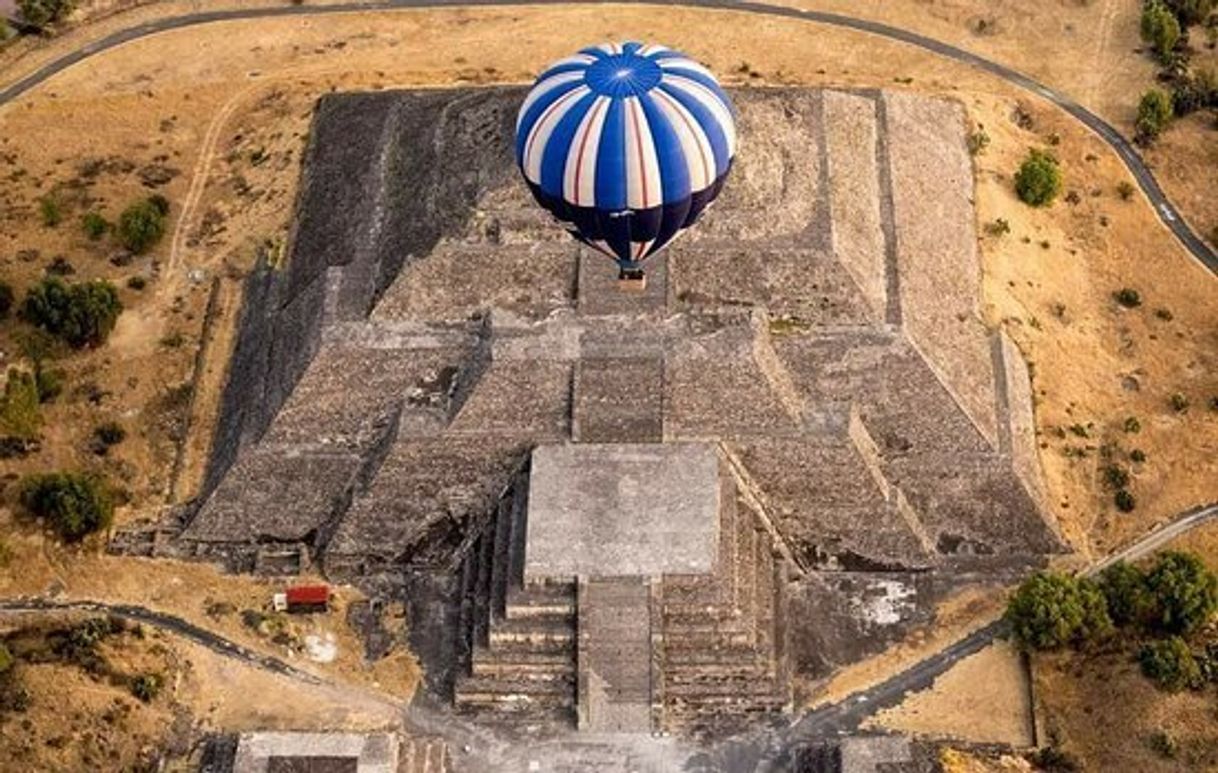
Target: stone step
517,693
744,668
544,633
766,698
710,641
501,663
532,601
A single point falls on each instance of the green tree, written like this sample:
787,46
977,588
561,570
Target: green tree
82,314
1184,591
1160,29
40,13
19,413
1124,587
141,225
6,659
1171,664
74,504
1051,610
1039,179
1155,112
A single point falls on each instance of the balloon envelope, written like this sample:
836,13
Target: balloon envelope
627,144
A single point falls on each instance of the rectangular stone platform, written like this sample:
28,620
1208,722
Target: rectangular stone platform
620,510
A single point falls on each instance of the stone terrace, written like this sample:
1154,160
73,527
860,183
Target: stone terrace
819,328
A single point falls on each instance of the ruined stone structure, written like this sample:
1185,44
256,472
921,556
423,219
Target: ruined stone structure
816,337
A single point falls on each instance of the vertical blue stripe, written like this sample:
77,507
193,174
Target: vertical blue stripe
611,159
706,120
539,107
554,155
674,167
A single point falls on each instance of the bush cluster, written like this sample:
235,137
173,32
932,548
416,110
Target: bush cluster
1175,597
82,314
40,13
75,505
1155,112
1160,29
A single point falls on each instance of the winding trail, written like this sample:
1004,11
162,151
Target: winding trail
1166,212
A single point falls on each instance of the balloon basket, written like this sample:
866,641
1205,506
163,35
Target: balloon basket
631,280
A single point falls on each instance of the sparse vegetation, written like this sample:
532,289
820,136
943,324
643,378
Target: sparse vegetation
1000,227
137,283
1137,455
1039,180
1132,425
81,314
1052,610
1125,190
74,505
1116,476
143,224
6,299
109,433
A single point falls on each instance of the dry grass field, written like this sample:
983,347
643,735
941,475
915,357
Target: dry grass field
222,111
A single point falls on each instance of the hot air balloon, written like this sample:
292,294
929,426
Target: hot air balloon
626,144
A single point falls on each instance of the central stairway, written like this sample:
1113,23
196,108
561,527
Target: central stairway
520,637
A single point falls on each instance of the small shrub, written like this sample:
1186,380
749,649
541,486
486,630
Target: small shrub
1052,759
73,504
82,314
1178,402
146,687
999,227
137,283
1051,610
6,299
1132,425
1124,501
51,211
1128,297
142,225
1155,112
1170,664
94,225
6,659
110,433
173,340
159,203
1191,12
49,382
1039,179
978,141
1125,190
1116,476
1164,314
1137,455
1163,744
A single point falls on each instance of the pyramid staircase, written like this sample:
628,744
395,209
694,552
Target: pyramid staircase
519,637
722,653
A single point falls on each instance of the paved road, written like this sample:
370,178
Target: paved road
1137,167
171,623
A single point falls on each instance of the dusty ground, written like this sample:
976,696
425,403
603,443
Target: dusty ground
955,618
983,699
107,727
234,607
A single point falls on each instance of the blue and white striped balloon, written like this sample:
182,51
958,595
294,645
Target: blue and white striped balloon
627,144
